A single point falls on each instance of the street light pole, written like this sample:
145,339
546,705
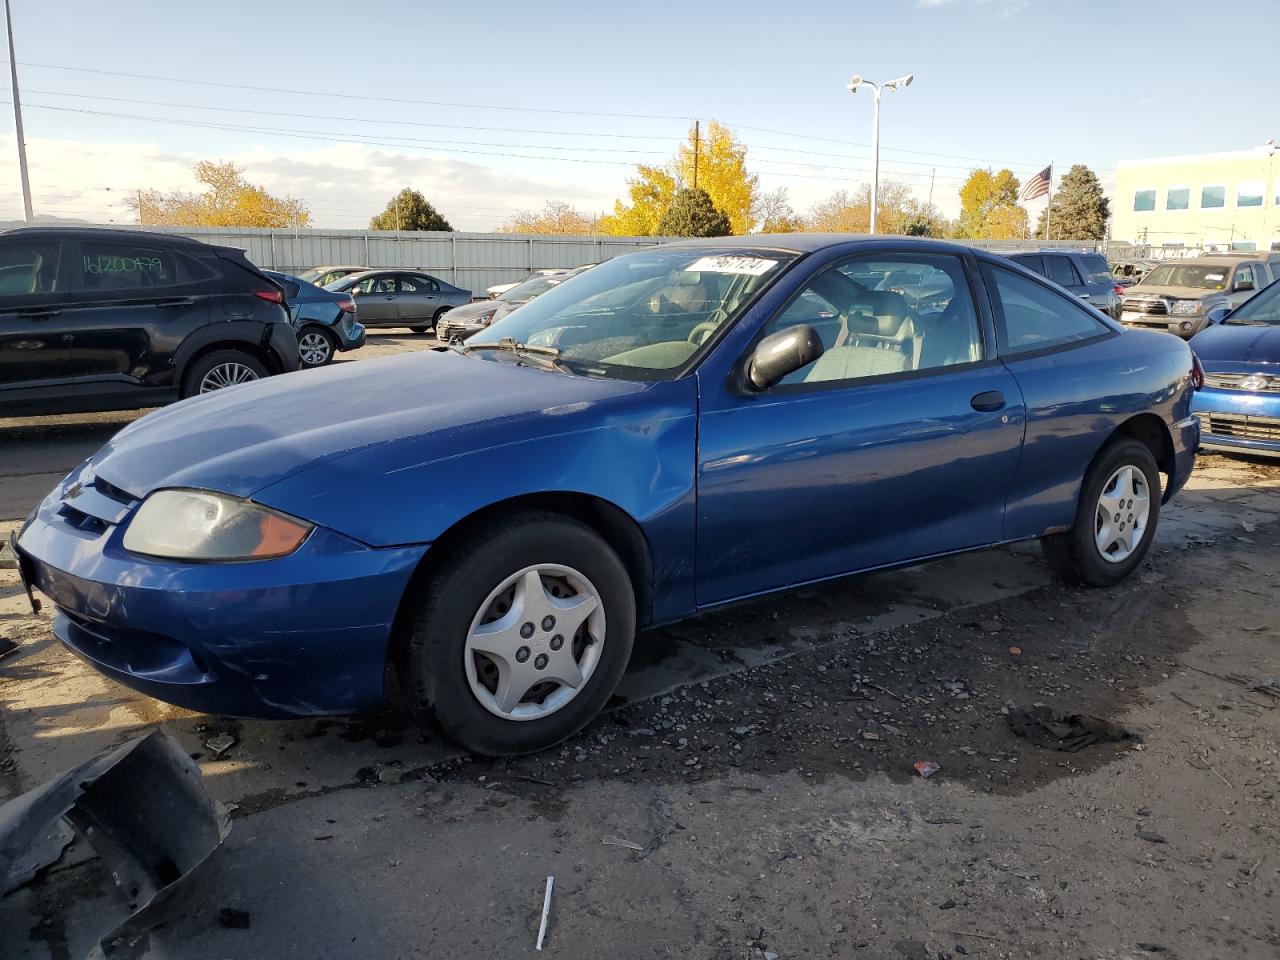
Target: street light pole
17,116
854,84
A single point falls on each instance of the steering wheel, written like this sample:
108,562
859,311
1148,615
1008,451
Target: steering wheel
701,331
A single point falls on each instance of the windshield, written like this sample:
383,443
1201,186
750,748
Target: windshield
523,292
1260,310
643,315
1187,275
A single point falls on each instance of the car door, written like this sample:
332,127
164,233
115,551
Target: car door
34,341
896,444
1046,341
1244,284
136,302
376,298
419,298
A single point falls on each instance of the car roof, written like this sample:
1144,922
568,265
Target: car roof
813,242
339,266
104,233
1214,259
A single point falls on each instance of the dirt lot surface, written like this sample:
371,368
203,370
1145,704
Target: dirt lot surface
1107,782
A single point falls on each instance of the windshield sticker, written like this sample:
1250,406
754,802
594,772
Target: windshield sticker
1214,277
750,266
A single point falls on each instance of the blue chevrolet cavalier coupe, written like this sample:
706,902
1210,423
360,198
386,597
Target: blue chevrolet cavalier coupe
677,429
1240,404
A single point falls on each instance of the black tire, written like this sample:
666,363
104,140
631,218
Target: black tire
1075,554
418,328
435,321
432,665
196,373
328,336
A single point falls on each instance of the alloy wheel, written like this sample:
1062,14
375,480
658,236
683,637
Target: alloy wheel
314,348
226,375
535,642
1124,507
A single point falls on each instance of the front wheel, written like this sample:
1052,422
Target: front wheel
1115,520
522,635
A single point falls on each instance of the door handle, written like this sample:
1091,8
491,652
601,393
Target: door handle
38,314
987,401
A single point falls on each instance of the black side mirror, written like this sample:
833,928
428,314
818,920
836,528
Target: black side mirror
782,353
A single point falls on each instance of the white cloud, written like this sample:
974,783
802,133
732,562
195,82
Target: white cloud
343,184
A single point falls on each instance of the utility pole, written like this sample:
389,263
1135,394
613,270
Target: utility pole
139,207
895,84
932,174
17,115
697,139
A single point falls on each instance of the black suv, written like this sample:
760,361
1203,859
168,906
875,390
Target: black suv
96,319
1084,274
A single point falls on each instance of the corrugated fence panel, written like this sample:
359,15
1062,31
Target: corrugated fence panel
473,261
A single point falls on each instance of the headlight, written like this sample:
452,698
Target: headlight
1187,308
197,525
486,318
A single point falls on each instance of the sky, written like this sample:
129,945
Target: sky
490,108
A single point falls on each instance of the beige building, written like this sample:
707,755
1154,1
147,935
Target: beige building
1210,201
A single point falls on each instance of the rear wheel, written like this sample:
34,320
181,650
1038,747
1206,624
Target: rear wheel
522,635
1115,519
419,328
316,347
221,369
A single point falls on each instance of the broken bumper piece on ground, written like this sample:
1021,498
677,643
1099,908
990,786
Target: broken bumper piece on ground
144,810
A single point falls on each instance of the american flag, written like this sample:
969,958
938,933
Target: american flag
1038,186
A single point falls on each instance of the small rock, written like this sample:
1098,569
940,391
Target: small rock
947,905
220,744
233,919
1151,836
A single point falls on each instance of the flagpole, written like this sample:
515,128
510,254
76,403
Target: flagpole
1048,213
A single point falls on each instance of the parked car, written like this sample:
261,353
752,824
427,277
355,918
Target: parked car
1239,407
1086,275
1129,271
708,421
96,319
1179,295
325,321
401,298
462,322
498,289
323,276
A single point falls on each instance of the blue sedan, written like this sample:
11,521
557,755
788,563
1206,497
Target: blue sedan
1240,404
325,321
677,429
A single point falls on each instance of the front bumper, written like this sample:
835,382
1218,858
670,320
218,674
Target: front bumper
447,331
1239,420
301,635
1184,327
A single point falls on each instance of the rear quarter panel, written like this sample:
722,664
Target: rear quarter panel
1076,399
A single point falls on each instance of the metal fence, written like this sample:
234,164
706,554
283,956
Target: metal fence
472,261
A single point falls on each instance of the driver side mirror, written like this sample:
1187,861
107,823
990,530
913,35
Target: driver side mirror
1217,314
782,353
1243,285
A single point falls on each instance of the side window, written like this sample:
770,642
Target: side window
882,316
110,265
1244,278
291,289
1036,317
1061,271
1034,264
379,284
30,266
416,284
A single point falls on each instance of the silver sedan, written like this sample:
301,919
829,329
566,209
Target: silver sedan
401,298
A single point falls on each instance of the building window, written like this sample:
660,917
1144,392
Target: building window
1211,197
1249,193
1244,245
1144,200
1177,198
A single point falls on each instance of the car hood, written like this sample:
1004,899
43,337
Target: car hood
471,311
420,406
1180,293
1237,343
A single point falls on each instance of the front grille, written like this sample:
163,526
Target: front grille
1156,308
1243,426
1232,381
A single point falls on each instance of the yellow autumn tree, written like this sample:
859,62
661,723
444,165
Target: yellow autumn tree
229,200
989,207
721,171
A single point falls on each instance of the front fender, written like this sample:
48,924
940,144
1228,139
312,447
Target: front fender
639,457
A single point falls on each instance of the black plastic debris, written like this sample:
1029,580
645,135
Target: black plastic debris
141,806
233,919
1068,732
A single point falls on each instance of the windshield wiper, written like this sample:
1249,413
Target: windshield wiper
549,356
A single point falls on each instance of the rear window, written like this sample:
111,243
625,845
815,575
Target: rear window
1061,272
1094,267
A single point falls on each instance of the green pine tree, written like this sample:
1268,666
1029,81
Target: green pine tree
692,214
1080,211
409,210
